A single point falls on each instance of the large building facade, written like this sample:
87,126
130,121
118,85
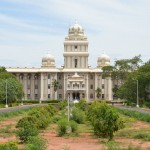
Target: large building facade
76,78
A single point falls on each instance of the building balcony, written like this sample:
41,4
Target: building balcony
76,89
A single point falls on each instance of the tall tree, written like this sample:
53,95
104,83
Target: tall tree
14,87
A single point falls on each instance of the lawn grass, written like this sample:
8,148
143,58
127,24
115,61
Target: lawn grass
6,115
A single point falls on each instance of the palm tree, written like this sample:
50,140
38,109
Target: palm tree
98,92
55,84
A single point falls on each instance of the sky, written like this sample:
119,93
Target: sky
31,28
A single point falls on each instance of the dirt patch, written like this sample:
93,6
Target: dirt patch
85,142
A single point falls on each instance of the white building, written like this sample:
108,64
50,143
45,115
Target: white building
75,78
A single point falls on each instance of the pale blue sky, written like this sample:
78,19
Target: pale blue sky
30,28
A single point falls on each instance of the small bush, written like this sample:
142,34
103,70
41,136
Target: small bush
28,121
9,146
62,127
74,126
105,120
51,110
62,104
82,104
35,143
26,132
78,115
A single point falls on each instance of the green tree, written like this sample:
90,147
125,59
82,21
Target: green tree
98,92
128,90
14,87
105,120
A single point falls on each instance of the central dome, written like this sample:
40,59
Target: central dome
76,32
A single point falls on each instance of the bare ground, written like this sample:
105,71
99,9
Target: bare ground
85,140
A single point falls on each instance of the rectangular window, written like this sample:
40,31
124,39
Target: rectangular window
60,96
75,63
91,77
49,96
91,86
60,86
49,76
49,86
103,86
36,96
28,86
103,96
36,86
28,96
83,95
91,96
59,77
75,47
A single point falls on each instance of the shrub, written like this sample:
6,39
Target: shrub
62,127
35,143
28,121
74,126
82,104
62,104
105,120
51,110
78,115
26,132
9,146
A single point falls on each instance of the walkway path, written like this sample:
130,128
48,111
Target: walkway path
9,109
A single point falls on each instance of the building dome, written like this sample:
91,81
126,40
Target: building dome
48,61
103,60
48,57
76,32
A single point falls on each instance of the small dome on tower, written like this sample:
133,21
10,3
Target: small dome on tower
48,61
103,60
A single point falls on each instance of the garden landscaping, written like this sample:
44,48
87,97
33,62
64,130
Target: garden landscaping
47,128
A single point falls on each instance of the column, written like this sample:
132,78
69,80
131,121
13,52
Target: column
25,86
109,88
32,86
95,85
87,87
42,88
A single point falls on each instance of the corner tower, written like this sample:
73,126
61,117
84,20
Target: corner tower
76,48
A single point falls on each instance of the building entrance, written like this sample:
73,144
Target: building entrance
76,96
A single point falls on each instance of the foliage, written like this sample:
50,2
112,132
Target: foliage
8,146
65,127
35,143
62,104
74,126
27,131
105,119
111,145
128,90
82,104
62,126
55,84
78,115
28,121
13,113
98,92
38,118
135,114
14,87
